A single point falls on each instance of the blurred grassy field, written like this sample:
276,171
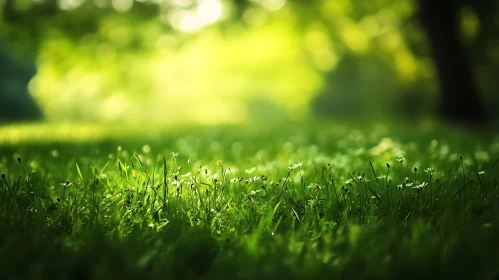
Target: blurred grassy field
285,200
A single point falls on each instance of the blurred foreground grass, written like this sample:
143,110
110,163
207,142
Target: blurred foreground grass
292,200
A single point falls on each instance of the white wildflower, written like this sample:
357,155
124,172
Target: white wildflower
294,166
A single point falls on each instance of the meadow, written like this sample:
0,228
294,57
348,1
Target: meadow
317,200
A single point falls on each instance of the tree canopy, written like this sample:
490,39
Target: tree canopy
133,58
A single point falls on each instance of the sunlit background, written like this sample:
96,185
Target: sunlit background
223,61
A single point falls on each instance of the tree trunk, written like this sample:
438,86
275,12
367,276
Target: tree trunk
459,97
15,101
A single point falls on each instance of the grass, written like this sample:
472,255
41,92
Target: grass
294,201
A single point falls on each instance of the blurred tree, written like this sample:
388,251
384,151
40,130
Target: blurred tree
362,47
15,101
373,57
26,25
459,95
459,98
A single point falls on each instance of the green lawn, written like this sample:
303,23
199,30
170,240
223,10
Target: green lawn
287,201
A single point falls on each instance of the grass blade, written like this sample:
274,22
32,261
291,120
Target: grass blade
79,171
469,182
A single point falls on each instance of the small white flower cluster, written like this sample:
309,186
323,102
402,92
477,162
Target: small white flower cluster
254,192
253,179
420,186
176,182
66,184
410,185
296,165
404,185
430,171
